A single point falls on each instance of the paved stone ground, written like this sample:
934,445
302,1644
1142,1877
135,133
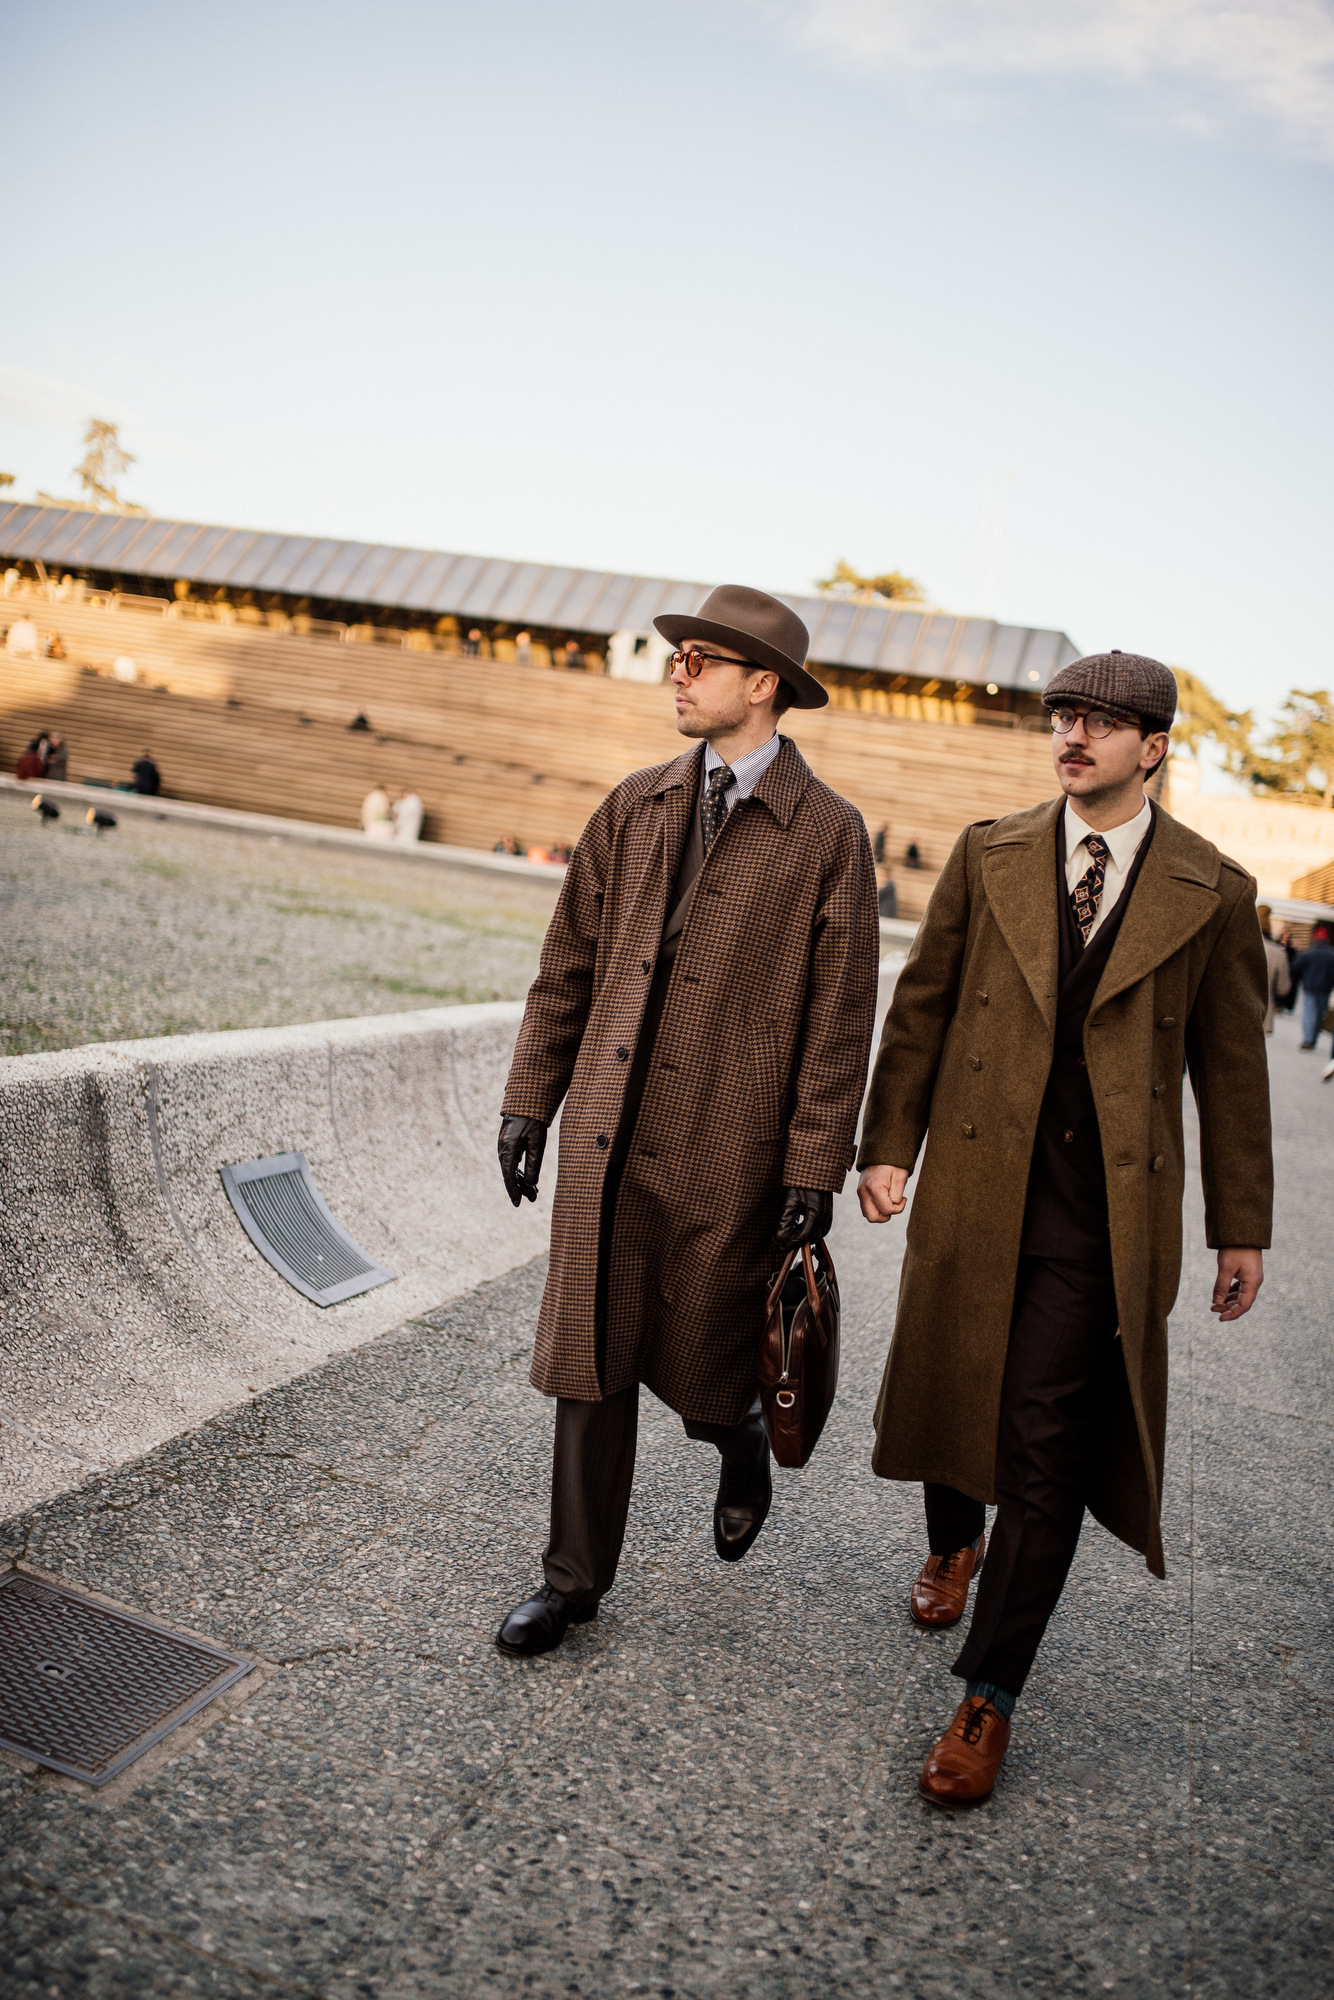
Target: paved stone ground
163,929
710,1790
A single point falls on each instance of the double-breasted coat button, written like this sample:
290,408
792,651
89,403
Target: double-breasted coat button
1157,1090
646,965
969,1132
1168,1021
985,998
1158,1164
1068,1137
975,1062
621,1054
602,1142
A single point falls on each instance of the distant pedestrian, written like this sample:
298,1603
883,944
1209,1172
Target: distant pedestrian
1280,981
147,777
22,637
408,814
1313,971
54,648
377,815
523,649
30,761
57,758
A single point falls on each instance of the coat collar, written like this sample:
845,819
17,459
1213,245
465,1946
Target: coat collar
781,786
1175,896
1019,874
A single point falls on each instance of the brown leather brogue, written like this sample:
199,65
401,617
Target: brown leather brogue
965,1764
940,1592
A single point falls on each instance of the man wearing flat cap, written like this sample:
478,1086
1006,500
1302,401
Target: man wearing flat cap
1074,960
704,1009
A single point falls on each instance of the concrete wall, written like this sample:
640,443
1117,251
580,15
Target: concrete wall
132,1303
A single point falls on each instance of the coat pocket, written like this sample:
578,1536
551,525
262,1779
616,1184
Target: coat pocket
768,1081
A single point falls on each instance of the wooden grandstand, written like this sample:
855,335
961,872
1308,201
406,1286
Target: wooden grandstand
242,716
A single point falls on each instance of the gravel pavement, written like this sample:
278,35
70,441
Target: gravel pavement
710,1789
156,928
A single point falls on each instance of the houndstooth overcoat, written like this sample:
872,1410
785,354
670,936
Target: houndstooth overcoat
756,1078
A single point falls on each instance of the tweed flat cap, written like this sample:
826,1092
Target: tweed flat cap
1127,685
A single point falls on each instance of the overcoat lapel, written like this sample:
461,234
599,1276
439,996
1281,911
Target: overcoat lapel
1174,897
678,791
1019,874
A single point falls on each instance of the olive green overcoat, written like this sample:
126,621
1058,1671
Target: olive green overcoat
963,1062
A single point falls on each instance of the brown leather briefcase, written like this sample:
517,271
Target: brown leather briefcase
798,1362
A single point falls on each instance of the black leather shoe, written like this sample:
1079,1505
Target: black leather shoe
540,1623
745,1495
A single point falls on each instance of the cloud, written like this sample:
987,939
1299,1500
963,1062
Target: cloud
1207,63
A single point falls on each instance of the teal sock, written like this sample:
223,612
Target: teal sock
1002,1703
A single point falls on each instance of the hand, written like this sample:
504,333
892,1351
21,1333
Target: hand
1240,1276
807,1214
521,1139
882,1192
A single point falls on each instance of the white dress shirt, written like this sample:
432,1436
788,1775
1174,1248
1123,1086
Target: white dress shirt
1123,844
747,771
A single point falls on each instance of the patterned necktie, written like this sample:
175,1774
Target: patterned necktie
713,808
1087,892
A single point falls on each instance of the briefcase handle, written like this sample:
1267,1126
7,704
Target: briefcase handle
812,1294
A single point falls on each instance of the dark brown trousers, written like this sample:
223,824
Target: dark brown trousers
593,1468
1060,1380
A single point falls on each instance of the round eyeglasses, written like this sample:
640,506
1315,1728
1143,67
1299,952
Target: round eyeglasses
1095,724
694,659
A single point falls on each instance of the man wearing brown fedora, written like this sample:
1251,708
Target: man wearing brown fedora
704,1009
1074,959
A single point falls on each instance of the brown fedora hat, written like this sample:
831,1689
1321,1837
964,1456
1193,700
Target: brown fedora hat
754,624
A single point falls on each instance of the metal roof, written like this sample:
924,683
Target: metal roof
844,633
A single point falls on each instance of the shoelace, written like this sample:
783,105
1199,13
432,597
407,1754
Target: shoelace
970,1726
945,1574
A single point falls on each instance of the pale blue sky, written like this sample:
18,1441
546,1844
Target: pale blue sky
1027,299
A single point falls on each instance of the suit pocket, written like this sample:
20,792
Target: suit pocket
768,1081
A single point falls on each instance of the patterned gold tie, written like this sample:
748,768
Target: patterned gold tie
713,808
1087,892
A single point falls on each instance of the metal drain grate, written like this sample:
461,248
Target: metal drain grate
288,1221
85,1689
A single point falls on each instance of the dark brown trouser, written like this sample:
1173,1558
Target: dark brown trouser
592,1470
1060,1379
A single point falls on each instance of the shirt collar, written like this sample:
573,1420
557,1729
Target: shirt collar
1122,841
748,770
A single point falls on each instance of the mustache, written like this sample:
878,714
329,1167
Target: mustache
1075,757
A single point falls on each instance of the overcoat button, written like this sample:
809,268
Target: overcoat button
602,1142
621,1054
1158,1164
969,1132
1068,1137
645,965
1168,1021
1157,1090
984,998
975,1062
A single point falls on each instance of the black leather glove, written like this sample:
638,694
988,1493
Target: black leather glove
806,1217
521,1139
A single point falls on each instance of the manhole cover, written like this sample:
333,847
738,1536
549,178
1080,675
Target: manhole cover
289,1222
85,1689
